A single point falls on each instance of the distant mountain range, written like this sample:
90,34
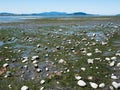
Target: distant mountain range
47,14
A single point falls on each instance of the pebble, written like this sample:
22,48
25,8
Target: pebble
62,61
90,61
25,60
5,65
42,88
83,69
102,85
114,77
89,54
39,70
34,62
93,85
78,77
24,88
107,58
42,81
118,64
112,63
35,57
81,83
116,85
113,58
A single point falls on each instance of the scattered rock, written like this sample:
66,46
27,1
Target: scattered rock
112,63
62,61
93,85
35,57
89,54
116,85
102,85
81,83
83,69
78,77
5,65
42,81
24,88
114,77
90,61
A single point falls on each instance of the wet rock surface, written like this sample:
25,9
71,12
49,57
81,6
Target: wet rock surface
60,54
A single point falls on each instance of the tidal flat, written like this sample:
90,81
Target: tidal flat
77,53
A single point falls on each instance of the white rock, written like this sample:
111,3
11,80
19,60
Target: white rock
117,54
89,54
42,81
83,69
47,69
93,85
25,60
5,65
102,85
113,58
35,61
111,87
81,83
90,77
35,57
24,88
104,43
62,61
97,51
90,61
107,58
114,77
112,63
42,88
78,77
116,85
39,70
118,64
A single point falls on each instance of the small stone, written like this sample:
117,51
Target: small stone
90,77
112,63
46,69
78,77
39,70
38,46
90,61
108,59
83,69
116,85
113,58
118,64
117,54
24,60
114,77
36,65
93,85
24,88
35,57
5,65
81,83
102,85
62,61
89,54
42,81
42,88
35,61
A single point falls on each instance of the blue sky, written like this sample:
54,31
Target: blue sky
106,7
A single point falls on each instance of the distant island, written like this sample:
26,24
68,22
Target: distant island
47,14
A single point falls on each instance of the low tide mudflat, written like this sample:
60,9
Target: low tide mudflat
60,54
